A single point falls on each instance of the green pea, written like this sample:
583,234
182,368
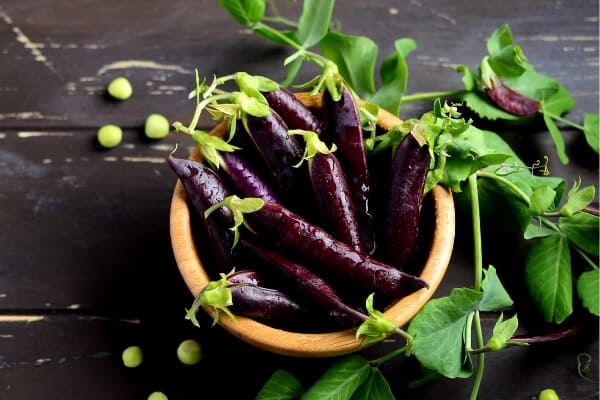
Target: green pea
189,352
109,135
157,126
157,396
120,88
132,356
548,394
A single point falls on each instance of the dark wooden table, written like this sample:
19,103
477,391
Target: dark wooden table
86,266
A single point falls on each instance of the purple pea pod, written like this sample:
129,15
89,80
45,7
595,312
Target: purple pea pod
502,95
246,177
295,114
277,224
402,210
332,192
344,129
309,284
252,298
204,188
512,101
279,150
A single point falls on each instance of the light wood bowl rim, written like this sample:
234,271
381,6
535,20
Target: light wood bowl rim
312,345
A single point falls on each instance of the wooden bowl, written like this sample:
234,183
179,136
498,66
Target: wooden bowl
313,344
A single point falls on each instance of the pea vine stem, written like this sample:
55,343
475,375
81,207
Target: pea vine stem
388,356
563,120
478,276
430,95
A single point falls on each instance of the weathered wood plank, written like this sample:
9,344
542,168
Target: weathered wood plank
65,54
69,356
73,234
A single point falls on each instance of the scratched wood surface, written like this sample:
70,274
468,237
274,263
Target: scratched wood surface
86,266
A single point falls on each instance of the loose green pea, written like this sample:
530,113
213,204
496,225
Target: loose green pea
548,394
120,88
132,356
157,126
189,352
109,135
157,396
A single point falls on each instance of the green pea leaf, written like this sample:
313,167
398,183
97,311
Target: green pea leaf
548,277
501,38
536,231
559,103
587,290
292,70
578,199
505,59
245,12
499,186
591,130
469,77
534,85
478,102
314,21
394,76
341,380
582,230
376,387
495,296
541,200
467,152
251,84
559,142
355,57
282,37
281,386
438,332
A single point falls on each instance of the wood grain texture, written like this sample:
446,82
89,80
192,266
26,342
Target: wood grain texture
84,232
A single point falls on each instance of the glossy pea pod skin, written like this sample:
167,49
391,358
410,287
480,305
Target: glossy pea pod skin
204,188
253,298
344,129
511,101
292,111
317,247
266,304
404,201
334,200
246,177
309,284
279,150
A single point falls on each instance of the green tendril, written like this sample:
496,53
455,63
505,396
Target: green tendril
584,361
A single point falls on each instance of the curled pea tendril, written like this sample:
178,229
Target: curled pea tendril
584,360
539,166
542,168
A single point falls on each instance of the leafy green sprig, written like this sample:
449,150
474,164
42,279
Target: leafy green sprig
230,106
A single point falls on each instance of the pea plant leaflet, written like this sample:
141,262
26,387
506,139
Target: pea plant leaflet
485,174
